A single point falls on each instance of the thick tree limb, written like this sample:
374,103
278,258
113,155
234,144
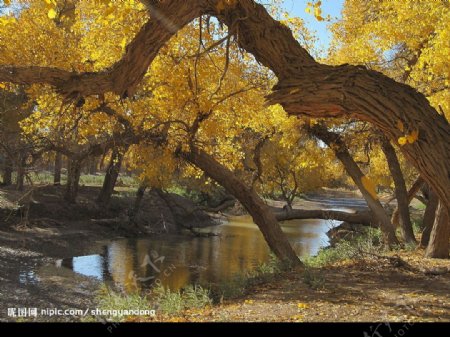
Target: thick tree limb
123,77
336,143
428,218
438,244
400,190
305,87
411,194
260,212
363,217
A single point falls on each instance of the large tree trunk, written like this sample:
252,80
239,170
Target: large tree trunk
335,142
428,217
438,246
7,172
138,202
112,173
57,169
305,87
401,192
21,166
93,164
73,180
139,197
101,163
363,217
260,212
417,185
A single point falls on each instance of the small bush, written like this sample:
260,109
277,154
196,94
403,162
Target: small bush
342,251
313,279
162,300
239,284
272,266
233,288
369,242
171,302
111,300
196,297
417,227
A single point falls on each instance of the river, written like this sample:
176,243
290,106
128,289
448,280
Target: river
175,261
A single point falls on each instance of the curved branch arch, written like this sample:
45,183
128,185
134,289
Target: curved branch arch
305,86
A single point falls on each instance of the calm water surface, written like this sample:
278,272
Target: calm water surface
178,260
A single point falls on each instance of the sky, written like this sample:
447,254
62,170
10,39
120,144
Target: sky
329,7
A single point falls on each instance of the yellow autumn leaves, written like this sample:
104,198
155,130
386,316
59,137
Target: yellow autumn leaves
369,186
408,138
51,5
315,8
51,13
413,33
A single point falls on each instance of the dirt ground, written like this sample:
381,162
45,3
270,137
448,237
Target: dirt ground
56,230
365,291
26,250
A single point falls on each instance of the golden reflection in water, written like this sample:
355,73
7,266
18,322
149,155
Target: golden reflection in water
121,265
179,260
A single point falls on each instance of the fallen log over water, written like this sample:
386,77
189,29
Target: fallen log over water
361,217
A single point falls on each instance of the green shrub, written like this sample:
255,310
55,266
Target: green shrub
232,288
169,302
238,285
313,278
370,241
196,297
417,227
108,299
162,300
172,302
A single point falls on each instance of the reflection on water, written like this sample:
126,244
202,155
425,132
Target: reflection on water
176,261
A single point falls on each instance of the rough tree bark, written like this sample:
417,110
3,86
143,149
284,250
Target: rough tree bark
7,172
73,180
134,212
260,212
401,192
438,245
57,169
112,173
139,196
305,86
21,167
417,185
335,142
92,169
101,163
428,217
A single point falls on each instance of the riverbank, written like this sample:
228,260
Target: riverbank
343,290
56,230
358,282
363,290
